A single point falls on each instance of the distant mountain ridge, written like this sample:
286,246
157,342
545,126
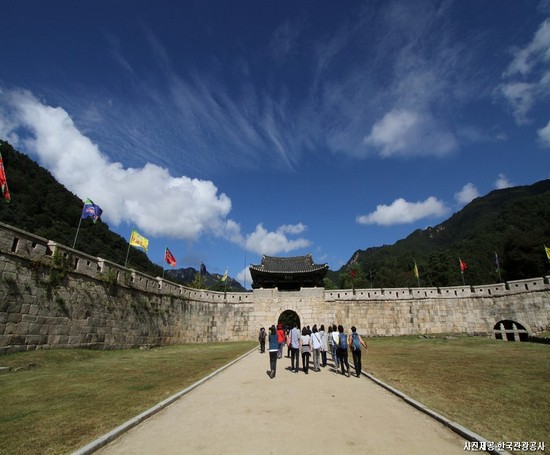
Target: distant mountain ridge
189,276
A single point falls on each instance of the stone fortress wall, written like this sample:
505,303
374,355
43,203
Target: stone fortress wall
52,296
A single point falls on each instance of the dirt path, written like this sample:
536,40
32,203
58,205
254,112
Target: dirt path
242,411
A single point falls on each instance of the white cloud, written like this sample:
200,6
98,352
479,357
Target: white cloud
406,132
502,182
467,194
544,135
401,212
244,276
156,202
262,241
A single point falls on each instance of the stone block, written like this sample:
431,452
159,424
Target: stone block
14,307
10,328
28,318
32,340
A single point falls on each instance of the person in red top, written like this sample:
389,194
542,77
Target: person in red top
280,340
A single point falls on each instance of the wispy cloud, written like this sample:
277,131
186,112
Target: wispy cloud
228,118
401,211
380,85
405,132
392,101
544,136
284,39
354,103
527,78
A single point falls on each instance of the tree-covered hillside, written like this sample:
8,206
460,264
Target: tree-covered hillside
511,224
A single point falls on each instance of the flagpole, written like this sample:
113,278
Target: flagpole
498,268
128,252
163,261
225,281
461,271
77,229
245,240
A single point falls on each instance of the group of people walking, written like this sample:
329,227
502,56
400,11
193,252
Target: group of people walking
313,344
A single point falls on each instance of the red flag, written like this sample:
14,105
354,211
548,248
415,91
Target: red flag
353,273
463,265
169,258
4,182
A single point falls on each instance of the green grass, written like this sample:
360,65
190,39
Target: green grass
56,401
497,389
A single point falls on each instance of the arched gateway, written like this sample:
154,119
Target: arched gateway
288,318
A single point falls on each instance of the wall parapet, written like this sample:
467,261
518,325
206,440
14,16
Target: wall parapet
450,292
24,244
14,241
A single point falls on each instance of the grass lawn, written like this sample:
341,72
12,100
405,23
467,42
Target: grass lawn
56,401
498,389
61,400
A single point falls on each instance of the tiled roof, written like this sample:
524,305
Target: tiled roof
294,264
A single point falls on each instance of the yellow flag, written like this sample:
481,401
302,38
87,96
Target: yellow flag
547,252
416,270
224,277
138,240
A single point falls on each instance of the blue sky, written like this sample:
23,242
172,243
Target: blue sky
227,130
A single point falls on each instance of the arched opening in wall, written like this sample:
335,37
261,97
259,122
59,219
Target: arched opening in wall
288,318
508,330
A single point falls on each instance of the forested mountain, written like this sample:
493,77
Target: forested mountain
42,206
509,226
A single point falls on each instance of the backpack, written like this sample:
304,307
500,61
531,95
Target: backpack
356,346
343,341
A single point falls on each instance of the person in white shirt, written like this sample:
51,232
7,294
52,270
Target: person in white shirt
305,347
335,347
295,348
316,347
324,345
